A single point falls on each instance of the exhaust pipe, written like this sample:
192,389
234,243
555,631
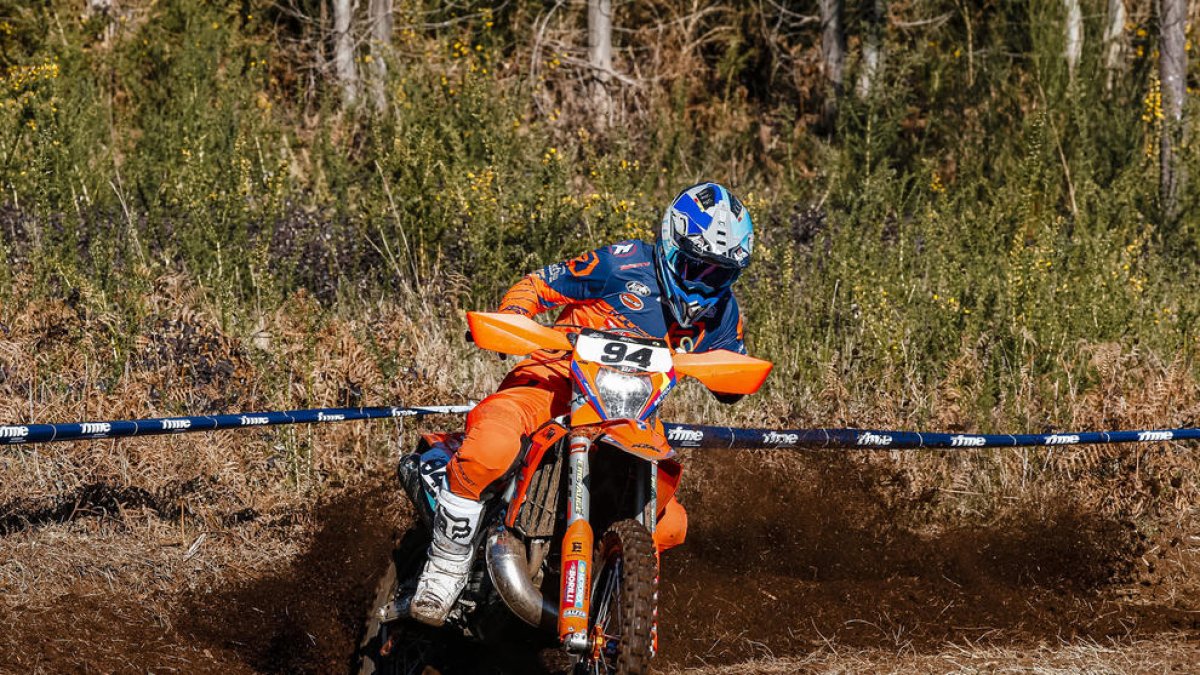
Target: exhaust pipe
510,575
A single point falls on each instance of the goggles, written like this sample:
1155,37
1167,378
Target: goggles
704,275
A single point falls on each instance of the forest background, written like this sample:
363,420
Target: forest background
971,215
961,211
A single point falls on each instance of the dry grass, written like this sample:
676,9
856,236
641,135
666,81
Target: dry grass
65,362
150,519
144,518
1165,655
142,559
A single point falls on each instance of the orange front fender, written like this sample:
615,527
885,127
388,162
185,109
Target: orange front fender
646,440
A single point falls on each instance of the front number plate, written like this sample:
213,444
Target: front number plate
623,354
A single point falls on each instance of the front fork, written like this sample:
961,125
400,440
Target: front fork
576,578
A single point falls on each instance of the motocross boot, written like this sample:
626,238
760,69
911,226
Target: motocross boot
450,556
409,471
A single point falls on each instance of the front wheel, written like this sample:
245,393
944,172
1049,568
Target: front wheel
624,603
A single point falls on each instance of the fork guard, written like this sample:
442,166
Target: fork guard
509,572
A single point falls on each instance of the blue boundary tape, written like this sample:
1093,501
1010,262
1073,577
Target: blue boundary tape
87,431
693,436
679,435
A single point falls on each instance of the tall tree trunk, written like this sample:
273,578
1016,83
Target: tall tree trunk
107,9
1074,36
343,51
380,12
600,58
100,7
1114,42
1172,68
833,55
874,28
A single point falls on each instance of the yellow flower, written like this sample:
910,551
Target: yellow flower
1152,110
935,184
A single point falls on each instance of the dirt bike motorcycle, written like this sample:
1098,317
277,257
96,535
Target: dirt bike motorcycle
599,469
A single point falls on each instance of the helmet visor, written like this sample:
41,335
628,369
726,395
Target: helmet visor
706,276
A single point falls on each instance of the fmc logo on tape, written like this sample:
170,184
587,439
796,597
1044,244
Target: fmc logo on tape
95,428
689,437
1155,435
967,441
781,439
14,434
1062,439
870,438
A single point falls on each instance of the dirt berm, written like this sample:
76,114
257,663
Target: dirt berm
778,564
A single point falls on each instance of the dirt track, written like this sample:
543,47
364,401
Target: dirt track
828,570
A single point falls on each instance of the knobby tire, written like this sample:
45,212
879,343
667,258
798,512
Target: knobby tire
624,598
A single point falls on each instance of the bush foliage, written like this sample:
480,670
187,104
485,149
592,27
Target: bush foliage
977,206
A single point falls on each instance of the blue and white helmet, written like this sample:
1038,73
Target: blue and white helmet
702,247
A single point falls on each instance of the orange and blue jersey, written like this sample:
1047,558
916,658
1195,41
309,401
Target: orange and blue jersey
615,288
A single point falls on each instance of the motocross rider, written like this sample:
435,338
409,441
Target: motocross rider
677,290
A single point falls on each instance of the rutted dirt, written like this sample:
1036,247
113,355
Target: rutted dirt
305,618
96,500
776,565
782,567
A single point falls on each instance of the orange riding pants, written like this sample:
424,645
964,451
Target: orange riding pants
496,429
